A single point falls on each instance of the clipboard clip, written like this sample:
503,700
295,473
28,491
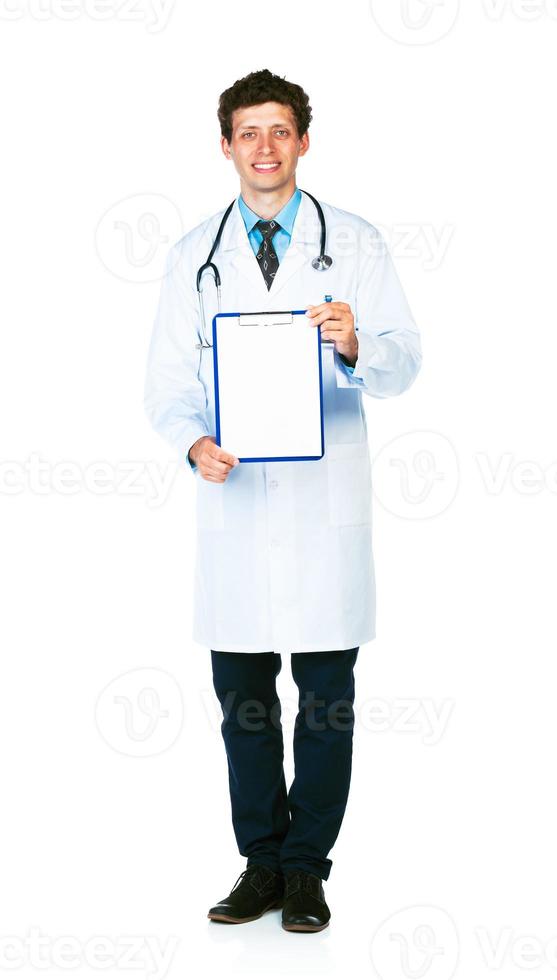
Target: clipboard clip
272,320
265,319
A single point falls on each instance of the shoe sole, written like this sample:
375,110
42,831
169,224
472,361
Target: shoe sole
298,928
221,917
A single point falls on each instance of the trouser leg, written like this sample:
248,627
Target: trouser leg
323,736
245,686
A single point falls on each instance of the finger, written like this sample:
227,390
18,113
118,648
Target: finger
314,311
328,314
218,467
217,453
324,307
330,328
217,470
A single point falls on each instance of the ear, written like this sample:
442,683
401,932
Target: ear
304,144
225,146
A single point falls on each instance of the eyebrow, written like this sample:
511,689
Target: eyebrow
282,125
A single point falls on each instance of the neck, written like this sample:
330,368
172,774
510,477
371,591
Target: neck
267,204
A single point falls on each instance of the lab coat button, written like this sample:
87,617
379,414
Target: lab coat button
273,484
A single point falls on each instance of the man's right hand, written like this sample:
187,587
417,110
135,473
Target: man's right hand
213,463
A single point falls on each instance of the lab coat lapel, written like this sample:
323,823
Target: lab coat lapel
236,246
239,254
305,237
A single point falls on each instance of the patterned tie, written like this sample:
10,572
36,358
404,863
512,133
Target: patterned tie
266,255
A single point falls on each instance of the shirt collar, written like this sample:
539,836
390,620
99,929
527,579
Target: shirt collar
285,216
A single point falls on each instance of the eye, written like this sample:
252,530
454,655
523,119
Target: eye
247,134
285,131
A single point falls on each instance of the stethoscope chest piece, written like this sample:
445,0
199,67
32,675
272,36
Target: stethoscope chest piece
322,263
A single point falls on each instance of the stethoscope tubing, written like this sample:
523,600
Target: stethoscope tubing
320,263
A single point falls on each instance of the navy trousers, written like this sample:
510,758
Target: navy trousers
295,829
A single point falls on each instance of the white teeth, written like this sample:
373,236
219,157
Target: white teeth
265,166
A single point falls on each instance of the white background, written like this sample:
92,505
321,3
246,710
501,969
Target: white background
436,124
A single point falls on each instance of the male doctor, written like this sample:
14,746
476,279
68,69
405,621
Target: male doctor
284,559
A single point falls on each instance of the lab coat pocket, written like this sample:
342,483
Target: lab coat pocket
210,505
349,483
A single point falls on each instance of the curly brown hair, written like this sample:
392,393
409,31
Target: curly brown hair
263,86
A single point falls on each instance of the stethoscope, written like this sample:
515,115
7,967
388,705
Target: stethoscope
321,263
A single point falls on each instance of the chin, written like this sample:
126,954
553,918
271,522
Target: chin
268,184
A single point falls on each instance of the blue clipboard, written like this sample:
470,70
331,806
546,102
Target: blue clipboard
220,321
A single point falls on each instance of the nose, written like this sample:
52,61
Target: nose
265,143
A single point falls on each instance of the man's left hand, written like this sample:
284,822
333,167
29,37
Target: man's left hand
337,324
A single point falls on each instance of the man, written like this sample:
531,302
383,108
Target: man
284,560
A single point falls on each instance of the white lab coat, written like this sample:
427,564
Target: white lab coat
284,557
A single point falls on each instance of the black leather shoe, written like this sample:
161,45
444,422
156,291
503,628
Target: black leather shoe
305,908
260,889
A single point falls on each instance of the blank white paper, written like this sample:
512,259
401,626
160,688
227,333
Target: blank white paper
268,388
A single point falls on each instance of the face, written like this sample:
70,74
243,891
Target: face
265,146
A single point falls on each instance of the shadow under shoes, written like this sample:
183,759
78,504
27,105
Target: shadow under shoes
256,890
305,908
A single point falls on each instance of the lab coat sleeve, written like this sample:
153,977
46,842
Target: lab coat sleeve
389,347
175,399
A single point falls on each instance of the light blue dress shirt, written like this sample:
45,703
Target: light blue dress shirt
281,240
285,218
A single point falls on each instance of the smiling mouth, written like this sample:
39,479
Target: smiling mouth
265,168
